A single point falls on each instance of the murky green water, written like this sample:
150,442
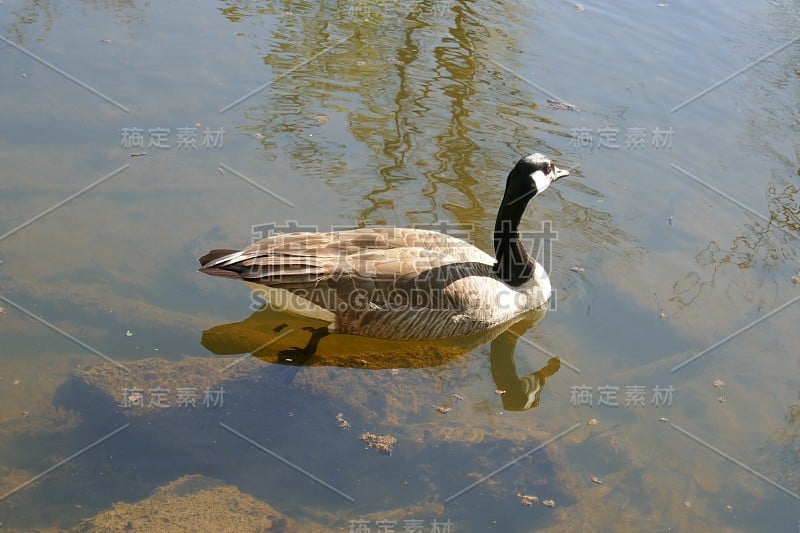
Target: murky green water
682,211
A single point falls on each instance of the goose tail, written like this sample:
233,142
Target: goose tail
209,262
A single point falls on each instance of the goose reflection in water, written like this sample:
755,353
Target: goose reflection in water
270,335
519,393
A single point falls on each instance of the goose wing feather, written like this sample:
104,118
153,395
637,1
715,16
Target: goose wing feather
406,263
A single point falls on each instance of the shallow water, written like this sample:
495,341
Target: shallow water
684,218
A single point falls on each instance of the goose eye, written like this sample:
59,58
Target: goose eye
549,168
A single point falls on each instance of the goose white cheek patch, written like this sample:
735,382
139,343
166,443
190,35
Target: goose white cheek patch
542,182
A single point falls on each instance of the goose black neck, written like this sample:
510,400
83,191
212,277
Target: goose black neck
514,266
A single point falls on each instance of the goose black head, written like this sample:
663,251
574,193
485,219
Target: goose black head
531,175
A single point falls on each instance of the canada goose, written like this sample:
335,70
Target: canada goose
400,283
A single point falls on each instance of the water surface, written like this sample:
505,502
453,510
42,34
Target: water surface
683,217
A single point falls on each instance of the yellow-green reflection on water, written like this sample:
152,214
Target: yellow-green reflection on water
259,335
